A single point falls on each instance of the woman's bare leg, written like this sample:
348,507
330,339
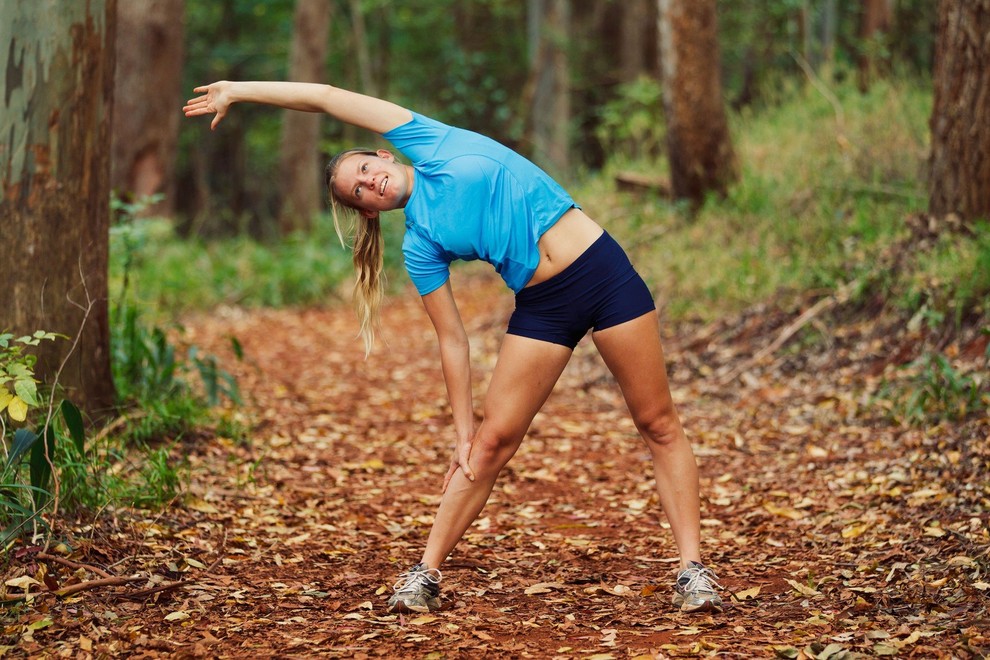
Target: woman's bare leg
633,353
523,378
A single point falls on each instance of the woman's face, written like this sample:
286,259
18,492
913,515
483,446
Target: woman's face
373,183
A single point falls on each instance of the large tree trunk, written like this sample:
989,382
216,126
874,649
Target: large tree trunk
301,178
148,83
55,172
960,123
548,89
698,142
874,23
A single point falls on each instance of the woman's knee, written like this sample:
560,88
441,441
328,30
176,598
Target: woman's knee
661,428
493,447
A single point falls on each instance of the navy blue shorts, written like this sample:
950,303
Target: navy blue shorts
599,290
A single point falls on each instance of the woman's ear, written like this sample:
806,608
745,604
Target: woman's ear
368,214
385,154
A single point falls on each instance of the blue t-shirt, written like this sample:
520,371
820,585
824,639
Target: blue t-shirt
472,198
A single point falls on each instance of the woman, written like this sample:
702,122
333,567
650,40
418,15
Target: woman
468,197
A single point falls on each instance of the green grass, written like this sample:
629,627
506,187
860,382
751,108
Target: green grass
823,190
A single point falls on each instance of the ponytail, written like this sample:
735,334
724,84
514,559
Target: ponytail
369,255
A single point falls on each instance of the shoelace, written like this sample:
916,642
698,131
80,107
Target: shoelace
699,578
412,580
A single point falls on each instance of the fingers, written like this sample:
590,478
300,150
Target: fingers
465,455
450,474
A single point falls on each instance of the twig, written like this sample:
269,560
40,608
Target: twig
804,319
824,90
141,594
116,424
74,565
93,584
220,552
76,588
56,481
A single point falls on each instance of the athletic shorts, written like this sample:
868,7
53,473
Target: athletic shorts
599,290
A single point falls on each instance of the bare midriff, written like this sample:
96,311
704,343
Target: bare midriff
564,242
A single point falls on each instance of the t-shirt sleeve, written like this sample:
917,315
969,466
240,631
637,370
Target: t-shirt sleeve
426,263
419,138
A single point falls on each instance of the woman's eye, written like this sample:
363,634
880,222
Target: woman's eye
364,168
357,191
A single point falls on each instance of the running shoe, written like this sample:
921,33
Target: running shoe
418,590
695,588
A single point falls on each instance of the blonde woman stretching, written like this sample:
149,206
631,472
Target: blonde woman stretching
468,197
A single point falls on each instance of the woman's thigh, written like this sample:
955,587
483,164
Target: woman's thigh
633,353
525,374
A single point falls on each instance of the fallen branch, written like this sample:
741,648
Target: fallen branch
635,182
74,588
44,556
792,328
141,594
92,584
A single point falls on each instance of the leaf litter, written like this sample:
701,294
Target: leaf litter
836,534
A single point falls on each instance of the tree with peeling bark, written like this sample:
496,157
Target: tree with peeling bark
700,151
148,86
55,171
299,171
960,123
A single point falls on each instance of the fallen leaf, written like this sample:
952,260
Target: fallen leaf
543,588
177,616
854,530
422,620
784,511
24,582
746,594
803,589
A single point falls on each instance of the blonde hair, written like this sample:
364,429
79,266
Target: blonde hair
369,253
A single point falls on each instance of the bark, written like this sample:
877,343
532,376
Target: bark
361,49
698,142
301,178
960,122
633,49
148,81
548,89
875,23
58,60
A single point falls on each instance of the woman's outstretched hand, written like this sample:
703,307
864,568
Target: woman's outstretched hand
462,454
215,99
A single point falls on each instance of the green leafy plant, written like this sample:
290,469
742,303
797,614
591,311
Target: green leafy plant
23,499
18,387
937,392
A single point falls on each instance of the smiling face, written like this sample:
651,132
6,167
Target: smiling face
372,183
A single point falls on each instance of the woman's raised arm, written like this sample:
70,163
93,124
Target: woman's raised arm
349,107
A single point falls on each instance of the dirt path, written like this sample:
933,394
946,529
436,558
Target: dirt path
831,535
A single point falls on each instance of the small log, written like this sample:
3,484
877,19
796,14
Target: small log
635,182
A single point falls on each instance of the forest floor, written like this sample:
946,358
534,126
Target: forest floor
834,533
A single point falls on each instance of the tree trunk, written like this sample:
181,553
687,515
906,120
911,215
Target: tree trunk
55,171
874,24
698,142
148,83
548,88
960,123
633,50
301,178
361,50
